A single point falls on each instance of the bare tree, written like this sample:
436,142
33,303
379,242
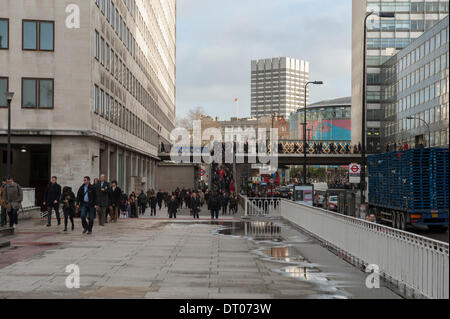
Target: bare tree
193,115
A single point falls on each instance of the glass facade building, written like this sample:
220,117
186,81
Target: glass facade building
326,121
385,38
415,91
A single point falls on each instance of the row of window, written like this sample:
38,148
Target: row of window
377,43
108,58
417,98
416,77
36,92
401,25
36,35
440,39
112,110
413,7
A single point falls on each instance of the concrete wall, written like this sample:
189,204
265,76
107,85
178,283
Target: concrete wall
169,177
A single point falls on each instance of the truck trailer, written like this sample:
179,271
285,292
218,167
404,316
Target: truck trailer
410,188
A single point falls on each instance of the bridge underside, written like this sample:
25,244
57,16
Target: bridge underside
292,159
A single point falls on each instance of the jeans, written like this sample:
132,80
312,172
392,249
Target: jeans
85,210
13,217
50,208
3,215
153,211
214,213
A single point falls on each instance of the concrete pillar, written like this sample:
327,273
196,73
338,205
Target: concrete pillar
113,163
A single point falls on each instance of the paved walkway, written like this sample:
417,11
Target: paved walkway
158,258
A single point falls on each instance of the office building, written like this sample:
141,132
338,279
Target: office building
98,98
277,86
385,38
415,92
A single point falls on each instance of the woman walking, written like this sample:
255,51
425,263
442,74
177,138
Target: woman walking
68,200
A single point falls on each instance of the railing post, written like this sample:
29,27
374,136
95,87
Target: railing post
246,206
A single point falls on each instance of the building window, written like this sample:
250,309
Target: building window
38,35
37,93
3,89
4,33
96,99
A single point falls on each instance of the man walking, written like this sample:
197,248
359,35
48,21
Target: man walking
115,196
86,201
2,203
153,201
214,205
142,202
13,196
51,199
172,206
102,199
160,197
195,205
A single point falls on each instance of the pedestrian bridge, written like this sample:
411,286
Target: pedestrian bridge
415,264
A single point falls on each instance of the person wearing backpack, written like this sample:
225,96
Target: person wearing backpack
13,196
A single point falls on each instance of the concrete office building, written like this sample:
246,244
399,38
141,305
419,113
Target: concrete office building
95,99
277,86
385,37
415,92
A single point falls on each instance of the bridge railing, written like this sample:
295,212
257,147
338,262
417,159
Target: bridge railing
261,206
410,260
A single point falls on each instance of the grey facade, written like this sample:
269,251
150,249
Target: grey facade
277,86
415,91
385,38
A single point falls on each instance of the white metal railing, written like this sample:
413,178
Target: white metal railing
417,262
262,206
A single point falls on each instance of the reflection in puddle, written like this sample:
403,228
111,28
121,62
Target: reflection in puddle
287,254
257,230
303,273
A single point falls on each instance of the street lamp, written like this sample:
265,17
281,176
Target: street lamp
304,130
9,97
426,123
363,117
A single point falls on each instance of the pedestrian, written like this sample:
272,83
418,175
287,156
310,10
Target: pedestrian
224,202
123,205
214,205
153,201
52,196
13,196
103,200
195,205
132,211
233,204
86,201
142,202
172,207
116,197
3,213
68,200
160,197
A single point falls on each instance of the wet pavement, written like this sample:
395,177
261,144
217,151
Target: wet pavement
184,259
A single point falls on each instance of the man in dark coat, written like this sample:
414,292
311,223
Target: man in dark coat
214,205
224,202
103,199
153,201
86,200
195,205
51,199
172,206
115,196
160,197
142,202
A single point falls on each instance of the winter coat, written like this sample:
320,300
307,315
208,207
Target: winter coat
115,196
214,202
13,196
91,192
194,204
52,193
153,201
142,199
103,196
172,205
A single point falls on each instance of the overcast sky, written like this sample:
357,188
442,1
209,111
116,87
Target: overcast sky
217,39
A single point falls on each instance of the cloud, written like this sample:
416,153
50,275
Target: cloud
216,41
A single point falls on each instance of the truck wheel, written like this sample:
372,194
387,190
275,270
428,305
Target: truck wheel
402,221
438,228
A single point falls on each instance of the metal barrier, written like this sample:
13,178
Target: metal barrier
262,206
413,261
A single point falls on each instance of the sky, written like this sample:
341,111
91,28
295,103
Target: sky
217,39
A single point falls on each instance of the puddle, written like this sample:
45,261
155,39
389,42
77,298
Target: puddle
303,273
256,230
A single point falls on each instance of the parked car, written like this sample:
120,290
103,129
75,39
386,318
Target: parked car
333,203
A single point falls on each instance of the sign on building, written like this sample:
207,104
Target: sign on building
354,173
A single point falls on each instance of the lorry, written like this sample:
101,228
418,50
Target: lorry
410,188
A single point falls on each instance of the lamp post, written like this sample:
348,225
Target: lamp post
304,130
363,115
9,97
428,127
